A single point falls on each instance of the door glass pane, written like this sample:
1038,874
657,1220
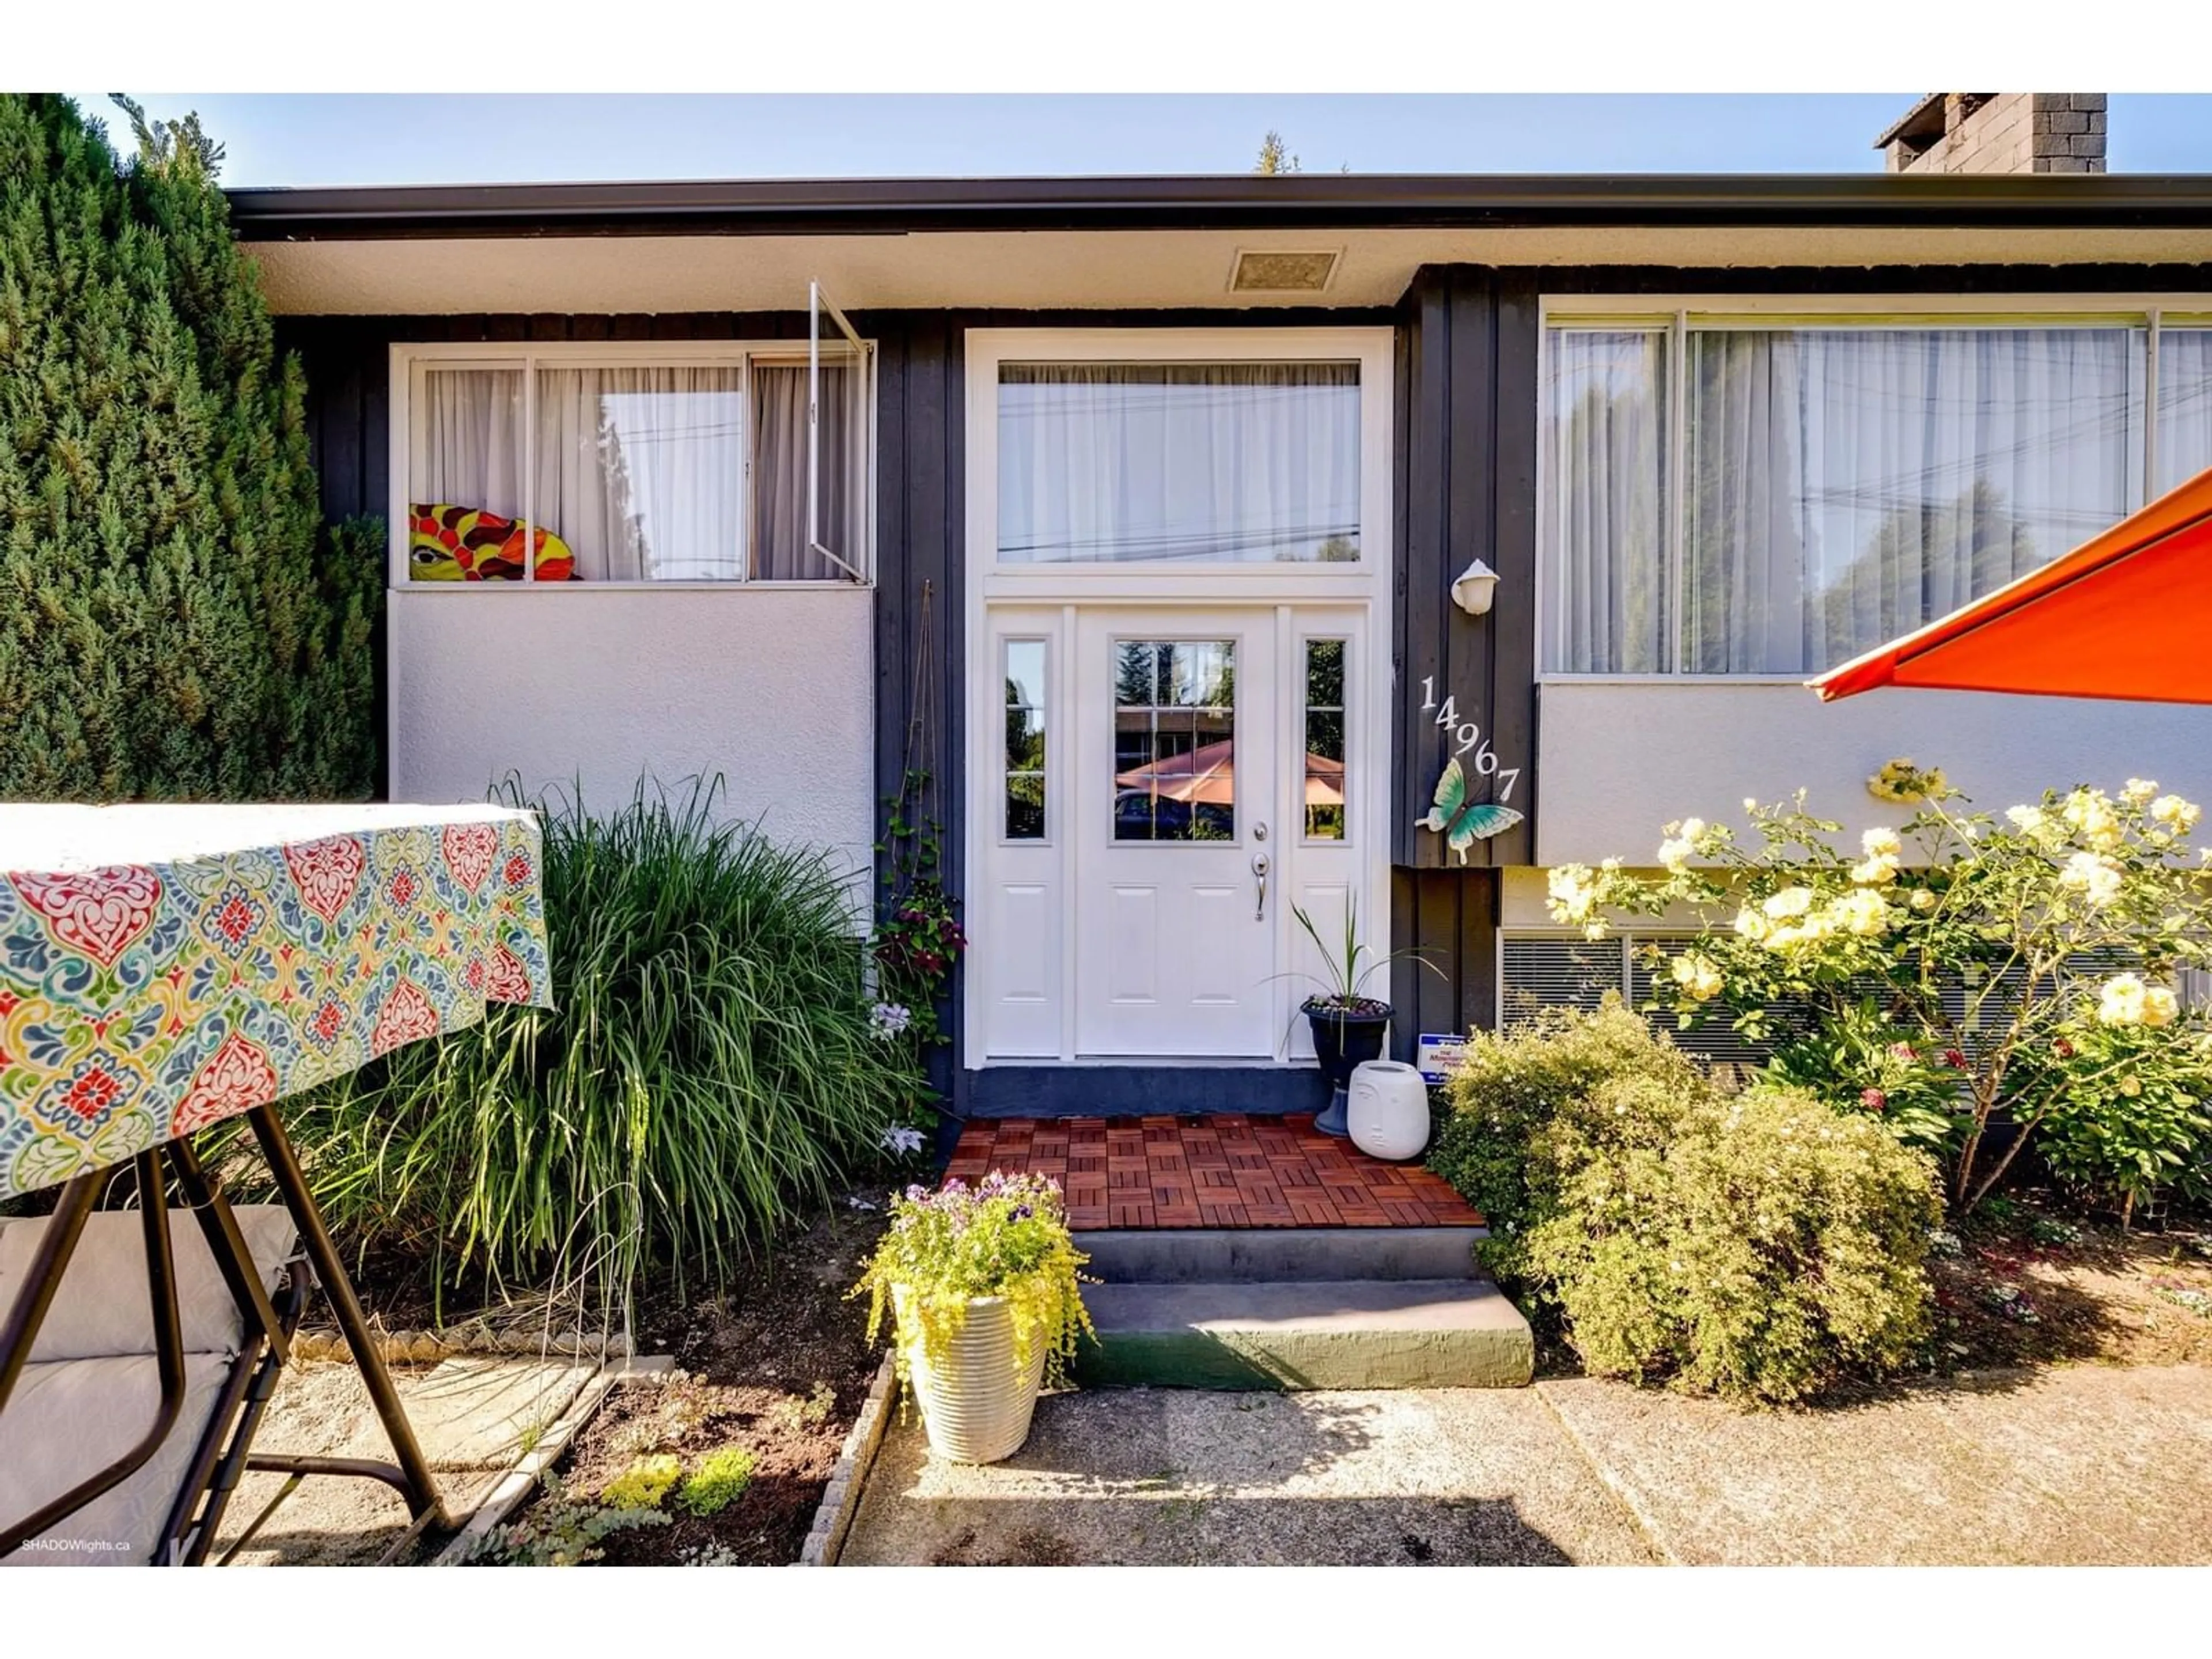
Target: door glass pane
1174,730
1324,799
1178,463
1024,677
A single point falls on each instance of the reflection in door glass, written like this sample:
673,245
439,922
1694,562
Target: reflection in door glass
1175,733
1024,741
1324,740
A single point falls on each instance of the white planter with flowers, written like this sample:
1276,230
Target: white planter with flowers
982,1287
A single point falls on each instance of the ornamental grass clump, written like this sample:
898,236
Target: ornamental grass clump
708,1075
1006,1237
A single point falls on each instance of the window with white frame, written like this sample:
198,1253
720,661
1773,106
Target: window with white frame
1752,495
596,464
1238,462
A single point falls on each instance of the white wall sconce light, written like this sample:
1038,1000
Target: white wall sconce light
1472,591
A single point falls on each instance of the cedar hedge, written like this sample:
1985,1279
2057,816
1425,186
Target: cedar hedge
176,622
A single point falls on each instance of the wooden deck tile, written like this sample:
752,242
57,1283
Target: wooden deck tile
1226,1170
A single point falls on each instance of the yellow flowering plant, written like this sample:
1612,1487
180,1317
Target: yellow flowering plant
1963,978
1007,1237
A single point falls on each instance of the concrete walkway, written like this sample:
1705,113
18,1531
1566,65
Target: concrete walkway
2073,1464
474,1418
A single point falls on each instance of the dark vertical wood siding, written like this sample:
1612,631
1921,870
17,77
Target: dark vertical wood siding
1467,468
1467,481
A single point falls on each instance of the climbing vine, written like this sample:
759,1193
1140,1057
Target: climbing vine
919,940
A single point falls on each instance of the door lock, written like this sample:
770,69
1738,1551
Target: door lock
1260,869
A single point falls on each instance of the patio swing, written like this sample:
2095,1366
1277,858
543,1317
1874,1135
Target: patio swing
166,970
116,1319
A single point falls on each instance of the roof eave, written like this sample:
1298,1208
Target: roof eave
1335,201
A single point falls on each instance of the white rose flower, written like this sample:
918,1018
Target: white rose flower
1881,843
1573,899
2175,813
1674,856
2138,791
2095,877
1751,923
1876,872
1863,912
1699,975
2123,1001
1922,899
1790,902
1693,828
2160,1005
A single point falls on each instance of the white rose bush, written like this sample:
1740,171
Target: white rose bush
1977,984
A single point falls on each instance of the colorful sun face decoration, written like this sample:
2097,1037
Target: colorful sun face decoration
468,544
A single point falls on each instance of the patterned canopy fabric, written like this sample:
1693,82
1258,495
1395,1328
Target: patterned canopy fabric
247,954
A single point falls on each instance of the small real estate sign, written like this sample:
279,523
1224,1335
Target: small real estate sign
1437,1052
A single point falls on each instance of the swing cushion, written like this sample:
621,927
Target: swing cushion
93,1386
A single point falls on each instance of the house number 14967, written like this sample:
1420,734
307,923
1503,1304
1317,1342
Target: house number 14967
1468,736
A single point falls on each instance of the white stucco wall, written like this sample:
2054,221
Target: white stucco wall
770,687
1615,762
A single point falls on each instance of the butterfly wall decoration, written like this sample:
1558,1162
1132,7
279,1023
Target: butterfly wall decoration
1460,821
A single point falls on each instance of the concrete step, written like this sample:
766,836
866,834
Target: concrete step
1346,1334
1243,1256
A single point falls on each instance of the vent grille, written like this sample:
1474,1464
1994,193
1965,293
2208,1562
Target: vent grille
1555,970
1271,272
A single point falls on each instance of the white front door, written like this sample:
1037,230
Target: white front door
1176,837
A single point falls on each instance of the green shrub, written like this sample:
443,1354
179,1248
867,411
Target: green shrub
643,1484
1765,1248
719,1481
174,622
1761,1246
1509,1088
708,1073
2128,1111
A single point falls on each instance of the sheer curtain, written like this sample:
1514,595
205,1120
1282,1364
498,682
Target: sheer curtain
1846,486
779,513
1178,463
2184,405
469,452
1604,456
641,470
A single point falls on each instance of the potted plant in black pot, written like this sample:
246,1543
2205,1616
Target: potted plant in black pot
1348,1026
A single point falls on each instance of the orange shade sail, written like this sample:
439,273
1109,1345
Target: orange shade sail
2127,616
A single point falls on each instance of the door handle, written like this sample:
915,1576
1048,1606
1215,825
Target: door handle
1260,869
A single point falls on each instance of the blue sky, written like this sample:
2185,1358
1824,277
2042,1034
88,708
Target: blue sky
359,138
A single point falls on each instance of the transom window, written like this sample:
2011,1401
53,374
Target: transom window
1178,463
589,465
1732,496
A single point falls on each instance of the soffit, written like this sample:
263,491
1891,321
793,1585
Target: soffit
1082,269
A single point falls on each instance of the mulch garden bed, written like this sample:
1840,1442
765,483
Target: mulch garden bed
2028,1286
774,1362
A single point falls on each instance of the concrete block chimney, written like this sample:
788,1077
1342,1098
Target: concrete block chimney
1999,132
